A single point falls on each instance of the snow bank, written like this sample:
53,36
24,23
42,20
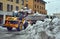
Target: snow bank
49,29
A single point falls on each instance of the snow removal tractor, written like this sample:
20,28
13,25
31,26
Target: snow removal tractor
20,19
16,20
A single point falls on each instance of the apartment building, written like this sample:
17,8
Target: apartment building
36,5
10,5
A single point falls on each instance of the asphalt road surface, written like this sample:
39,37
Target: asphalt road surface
4,34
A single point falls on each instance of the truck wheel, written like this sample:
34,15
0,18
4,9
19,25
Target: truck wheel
18,29
9,28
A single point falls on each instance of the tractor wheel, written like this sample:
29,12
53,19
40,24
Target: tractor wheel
18,29
9,28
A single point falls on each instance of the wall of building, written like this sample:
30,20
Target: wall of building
40,7
4,11
30,3
36,6
5,2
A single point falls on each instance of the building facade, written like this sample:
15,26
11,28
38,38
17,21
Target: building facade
10,5
7,7
36,5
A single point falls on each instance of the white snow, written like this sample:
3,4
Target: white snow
2,28
35,31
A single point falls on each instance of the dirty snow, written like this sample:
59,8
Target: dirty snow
49,29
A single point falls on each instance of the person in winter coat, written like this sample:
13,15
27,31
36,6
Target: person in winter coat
1,20
21,26
21,16
25,25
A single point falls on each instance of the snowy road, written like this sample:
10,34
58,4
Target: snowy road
4,34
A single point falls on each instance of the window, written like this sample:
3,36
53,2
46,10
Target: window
35,5
8,0
40,7
35,0
26,5
11,7
17,8
26,0
17,1
11,0
8,7
1,6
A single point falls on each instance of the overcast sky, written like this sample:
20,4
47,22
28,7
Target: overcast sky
53,6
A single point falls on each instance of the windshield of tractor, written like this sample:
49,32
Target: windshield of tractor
12,18
13,22
19,14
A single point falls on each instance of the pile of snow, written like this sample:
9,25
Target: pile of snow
1,28
42,30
